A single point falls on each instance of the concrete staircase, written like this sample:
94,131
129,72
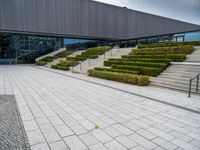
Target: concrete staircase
84,66
51,54
195,57
56,61
178,75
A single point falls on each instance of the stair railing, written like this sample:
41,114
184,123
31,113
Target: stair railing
197,84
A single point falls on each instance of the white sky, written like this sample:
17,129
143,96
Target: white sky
185,10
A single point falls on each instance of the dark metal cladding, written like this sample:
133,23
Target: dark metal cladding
84,19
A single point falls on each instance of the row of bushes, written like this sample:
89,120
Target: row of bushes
63,54
194,43
149,71
188,49
49,59
167,61
64,65
117,70
68,63
40,63
90,53
60,67
143,64
172,57
76,58
143,61
120,77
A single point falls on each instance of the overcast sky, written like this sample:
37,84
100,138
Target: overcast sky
185,10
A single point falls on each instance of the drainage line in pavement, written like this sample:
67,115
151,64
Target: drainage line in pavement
135,94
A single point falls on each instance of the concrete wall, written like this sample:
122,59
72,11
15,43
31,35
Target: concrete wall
83,18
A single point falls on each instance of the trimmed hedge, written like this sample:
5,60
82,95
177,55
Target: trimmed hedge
60,67
164,50
120,77
69,63
76,58
88,56
167,61
48,59
90,53
173,57
117,70
63,54
40,63
194,43
143,70
144,64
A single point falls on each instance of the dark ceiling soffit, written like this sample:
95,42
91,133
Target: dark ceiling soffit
58,35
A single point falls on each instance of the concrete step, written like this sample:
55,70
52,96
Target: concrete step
174,81
174,78
51,54
183,71
173,86
185,66
114,53
185,75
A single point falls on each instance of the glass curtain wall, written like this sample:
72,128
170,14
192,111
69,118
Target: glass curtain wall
83,44
24,48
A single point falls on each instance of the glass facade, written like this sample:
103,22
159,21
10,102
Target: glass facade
24,48
146,40
82,44
16,49
190,36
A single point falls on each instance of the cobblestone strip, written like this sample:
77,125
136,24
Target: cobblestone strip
12,133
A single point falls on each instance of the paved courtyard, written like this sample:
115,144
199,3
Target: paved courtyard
60,112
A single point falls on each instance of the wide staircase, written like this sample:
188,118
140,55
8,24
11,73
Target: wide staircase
84,66
178,75
56,61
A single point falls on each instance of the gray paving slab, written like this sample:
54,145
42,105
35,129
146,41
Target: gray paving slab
61,112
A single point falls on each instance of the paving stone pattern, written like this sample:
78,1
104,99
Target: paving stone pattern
60,113
12,133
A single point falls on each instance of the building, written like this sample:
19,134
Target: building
41,25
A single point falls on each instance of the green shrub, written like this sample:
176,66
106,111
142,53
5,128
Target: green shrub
194,43
48,59
120,77
60,67
164,50
117,70
172,57
143,81
167,61
88,56
76,58
63,54
90,53
68,63
143,70
100,48
129,63
40,63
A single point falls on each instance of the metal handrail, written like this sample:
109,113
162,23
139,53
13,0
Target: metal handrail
197,84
